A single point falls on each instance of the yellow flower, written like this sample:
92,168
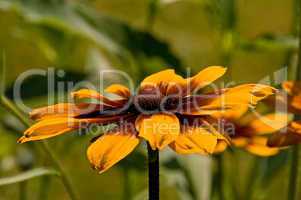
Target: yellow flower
164,112
251,132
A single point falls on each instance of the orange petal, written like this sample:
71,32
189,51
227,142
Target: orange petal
291,87
194,140
160,77
177,86
119,90
239,141
206,77
92,94
294,91
295,103
258,146
65,110
291,136
231,99
269,123
86,93
167,82
158,129
221,146
50,127
234,113
110,148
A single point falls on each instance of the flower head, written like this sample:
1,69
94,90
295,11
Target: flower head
165,112
250,132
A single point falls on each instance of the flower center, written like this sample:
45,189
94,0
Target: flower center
150,100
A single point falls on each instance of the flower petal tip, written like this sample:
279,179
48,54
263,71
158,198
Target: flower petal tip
22,140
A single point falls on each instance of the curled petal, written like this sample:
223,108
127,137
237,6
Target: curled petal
158,129
119,90
110,148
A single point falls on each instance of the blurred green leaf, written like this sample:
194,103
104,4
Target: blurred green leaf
136,41
269,42
28,175
58,16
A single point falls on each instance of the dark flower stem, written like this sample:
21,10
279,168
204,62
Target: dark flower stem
295,171
153,173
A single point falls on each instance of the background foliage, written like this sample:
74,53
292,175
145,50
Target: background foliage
255,38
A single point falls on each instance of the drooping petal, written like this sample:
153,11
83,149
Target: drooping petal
206,77
119,90
50,127
158,129
290,135
268,123
194,140
258,146
110,148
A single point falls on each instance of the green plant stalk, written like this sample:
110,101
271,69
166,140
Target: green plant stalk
22,190
293,178
44,186
65,178
8,105
228,19
153,173
295,175
153,6
220,175
127,190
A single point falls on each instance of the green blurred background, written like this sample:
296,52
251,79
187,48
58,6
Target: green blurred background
254,38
